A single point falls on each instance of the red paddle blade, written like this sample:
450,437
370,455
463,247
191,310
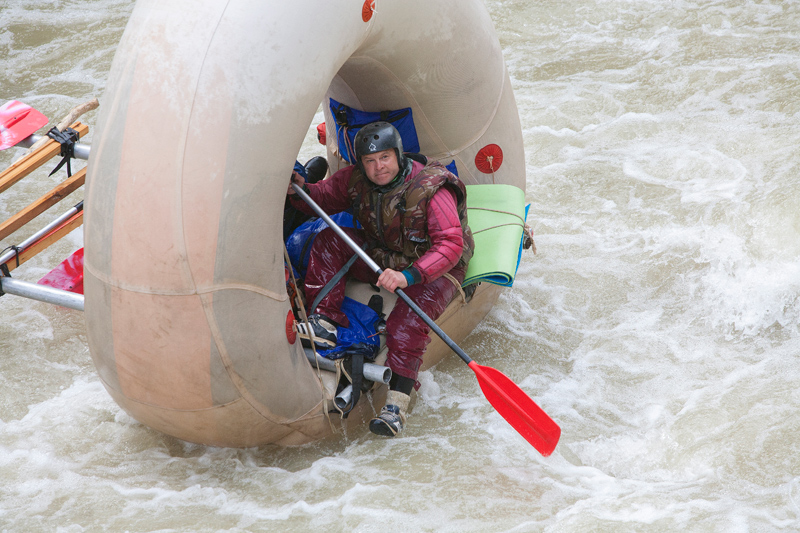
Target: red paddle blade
518,409
18,121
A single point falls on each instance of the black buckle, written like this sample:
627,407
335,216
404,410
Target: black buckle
340,115
67,140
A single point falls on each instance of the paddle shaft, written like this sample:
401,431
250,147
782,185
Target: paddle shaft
377,269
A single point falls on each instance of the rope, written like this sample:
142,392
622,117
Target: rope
521,223
458,286
496,211
333,281
304,316
498,226
351,151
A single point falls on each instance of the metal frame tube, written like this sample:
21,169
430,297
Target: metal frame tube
80,150
41,293
8,256
344,398
35,291
372,372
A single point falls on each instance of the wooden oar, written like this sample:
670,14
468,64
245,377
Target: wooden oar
18,121
42,239
33,160
44,203
504,395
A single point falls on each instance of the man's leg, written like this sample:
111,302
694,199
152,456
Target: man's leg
329,254
408,334
407,338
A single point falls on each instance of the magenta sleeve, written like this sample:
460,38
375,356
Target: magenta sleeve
330,194
447,239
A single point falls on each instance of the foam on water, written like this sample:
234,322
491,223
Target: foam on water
658,323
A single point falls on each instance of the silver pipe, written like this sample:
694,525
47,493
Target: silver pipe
377,373
81,150
372,372
8,256
344,398
41,293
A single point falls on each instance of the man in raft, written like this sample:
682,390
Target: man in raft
415,228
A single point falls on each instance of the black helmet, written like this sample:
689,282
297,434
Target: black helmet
377,137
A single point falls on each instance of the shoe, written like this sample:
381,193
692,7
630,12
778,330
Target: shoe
323,332
393,415
316,169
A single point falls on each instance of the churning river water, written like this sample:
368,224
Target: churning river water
659,323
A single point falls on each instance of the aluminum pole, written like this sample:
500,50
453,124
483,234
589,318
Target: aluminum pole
41,293
8,256
81,151
344,398
373,372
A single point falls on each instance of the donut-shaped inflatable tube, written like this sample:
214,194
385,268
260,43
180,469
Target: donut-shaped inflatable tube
206,108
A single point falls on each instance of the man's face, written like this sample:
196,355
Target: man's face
381,167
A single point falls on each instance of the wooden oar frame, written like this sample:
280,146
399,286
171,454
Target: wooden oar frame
38,156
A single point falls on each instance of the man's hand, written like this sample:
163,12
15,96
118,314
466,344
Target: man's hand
298,179
392,279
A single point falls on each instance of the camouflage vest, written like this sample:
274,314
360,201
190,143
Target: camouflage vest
395,221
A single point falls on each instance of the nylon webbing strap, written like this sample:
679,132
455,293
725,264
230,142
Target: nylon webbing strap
4,272
17,250
356,375
333,281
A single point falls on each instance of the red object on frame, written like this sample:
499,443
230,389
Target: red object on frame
68,276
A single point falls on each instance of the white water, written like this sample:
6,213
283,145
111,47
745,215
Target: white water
658,324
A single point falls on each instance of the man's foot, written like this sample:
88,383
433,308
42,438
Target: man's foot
323,332
393,415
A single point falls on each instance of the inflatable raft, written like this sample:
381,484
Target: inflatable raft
208,103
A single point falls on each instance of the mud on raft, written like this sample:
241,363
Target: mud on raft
207,105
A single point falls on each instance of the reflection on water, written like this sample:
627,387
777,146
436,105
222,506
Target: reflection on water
658,323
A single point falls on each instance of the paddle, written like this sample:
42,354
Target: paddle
504,395
17,122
